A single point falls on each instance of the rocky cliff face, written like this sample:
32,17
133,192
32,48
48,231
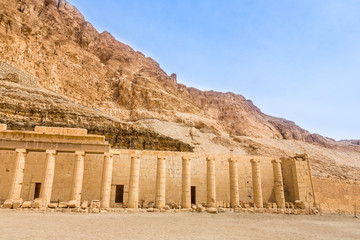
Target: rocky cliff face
92,80
52,40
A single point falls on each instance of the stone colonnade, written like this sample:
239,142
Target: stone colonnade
49,172
160,198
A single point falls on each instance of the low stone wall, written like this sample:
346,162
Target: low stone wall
336,195
11,73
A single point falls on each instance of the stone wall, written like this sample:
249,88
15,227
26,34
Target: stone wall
11,73
64,172
297,179
334,195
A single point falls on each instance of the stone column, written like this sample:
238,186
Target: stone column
106,181
186,183
18,176
256,177
78,177
278,184
133,200
48,178
234,182
211,183
160,182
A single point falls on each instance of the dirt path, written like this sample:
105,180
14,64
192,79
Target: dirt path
31,225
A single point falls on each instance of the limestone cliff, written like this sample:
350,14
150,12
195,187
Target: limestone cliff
107,84
52,40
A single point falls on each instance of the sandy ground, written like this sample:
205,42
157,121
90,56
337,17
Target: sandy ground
31,225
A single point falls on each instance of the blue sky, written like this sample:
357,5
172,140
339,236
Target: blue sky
299,60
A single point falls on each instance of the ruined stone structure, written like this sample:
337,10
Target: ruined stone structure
69,165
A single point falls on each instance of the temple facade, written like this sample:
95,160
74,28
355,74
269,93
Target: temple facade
62,164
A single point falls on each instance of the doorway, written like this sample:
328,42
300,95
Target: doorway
119,194
37,190
193,194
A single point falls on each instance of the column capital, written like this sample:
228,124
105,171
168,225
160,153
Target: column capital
255,161
185,158
232,160
161,158
53,152
135,156
210,159
25,151
108,154
82,153
276,161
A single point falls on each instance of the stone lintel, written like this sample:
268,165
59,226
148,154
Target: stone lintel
61,131
61,147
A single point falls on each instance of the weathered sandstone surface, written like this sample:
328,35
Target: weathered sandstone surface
89,79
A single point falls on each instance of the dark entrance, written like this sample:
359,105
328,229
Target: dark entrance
193,195
119,195
37,190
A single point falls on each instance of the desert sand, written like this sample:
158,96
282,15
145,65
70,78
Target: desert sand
33,225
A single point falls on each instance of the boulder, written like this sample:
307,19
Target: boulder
175,206
221,210
63,205
84,204
166,207
95,204
150,209
52,205
37,203
73,204
17,203
200,208
27,204
300,204
8,203
212,210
